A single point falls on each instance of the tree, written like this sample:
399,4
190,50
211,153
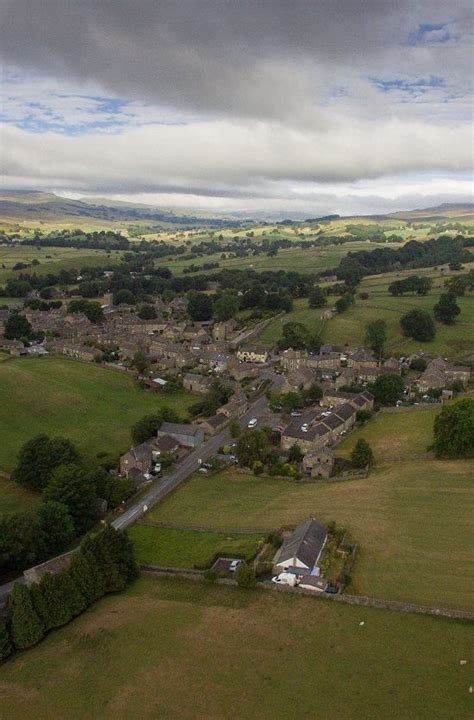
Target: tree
344,302
226,308
418,364
91,309
199,306
146,312
245,576
234,429
447,309
5,641
454,430
123,297
114,554
86,575
317,297
362,454
20,541
295,335
387,389
419,325
73,486
39,456
55,601
149,425
376,335
17,327
26,626
140,361
295,454
252,445
56,527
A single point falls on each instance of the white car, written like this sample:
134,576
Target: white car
234,565
285,579
252,423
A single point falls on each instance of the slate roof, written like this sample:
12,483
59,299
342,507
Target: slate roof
332,421
345,411
217,420
305,543
170,428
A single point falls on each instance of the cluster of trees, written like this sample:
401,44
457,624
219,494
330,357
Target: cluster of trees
71,496
225,306
293,400
461,284
413,284
103,564
149,425
344,302
387,389
295,335
454,430
91,309
413,254
18,327
100,240
446,309
418,324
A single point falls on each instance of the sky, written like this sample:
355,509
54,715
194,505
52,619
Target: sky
261,107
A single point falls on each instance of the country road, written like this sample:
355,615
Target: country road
189,465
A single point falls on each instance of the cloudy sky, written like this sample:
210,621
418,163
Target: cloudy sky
256,106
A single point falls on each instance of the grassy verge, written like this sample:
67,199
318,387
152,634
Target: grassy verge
178,650
188,548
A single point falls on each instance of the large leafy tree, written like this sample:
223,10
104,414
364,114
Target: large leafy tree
387,389
199,306
376,335
317,297
253,446
226,307
56,527
16,327
20,541
419,325
26,626
454,430
74,487
39,457
149,425
362,454
446,309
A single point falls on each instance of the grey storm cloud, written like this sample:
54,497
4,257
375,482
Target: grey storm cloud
259,58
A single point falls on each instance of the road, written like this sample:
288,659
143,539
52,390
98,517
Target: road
185,468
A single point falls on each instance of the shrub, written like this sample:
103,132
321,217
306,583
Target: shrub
245,576
362,454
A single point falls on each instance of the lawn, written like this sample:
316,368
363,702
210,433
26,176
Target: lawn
395,435
179,650
188,548
93,406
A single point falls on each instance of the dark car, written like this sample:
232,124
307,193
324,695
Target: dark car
332,589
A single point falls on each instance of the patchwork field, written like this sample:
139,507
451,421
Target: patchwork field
93,406
412,519
188,548
186,651
51,259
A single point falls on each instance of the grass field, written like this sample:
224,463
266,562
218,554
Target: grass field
93,406
301,313
14,498
179,650
188,548
51,259
412,519
350,326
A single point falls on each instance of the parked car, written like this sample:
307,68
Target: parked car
285,579
234,565
252,423
296,413
332,589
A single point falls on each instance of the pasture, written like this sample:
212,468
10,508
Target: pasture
350,326
411,518
51,259
189,548
93,406
169,648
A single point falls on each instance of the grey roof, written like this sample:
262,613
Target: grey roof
305,543
217,420
170,428
345,411
313,581
332,421
165,443
141,452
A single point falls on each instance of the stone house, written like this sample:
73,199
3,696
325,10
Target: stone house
141,458
319,463
186,435
236,407
302,550
223,330
214,424
197,384
347,414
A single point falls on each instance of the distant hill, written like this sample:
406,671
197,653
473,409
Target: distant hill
33,206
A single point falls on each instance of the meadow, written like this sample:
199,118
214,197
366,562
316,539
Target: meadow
51,259
411,518
189,548
93,406
169,648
